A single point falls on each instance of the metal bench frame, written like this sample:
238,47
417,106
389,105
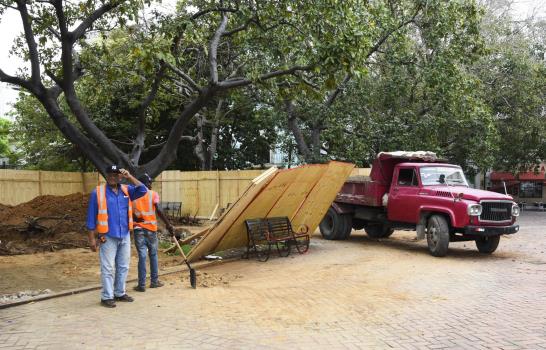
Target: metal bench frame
172,209
274,231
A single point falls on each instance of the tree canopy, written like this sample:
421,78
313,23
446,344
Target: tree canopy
219,84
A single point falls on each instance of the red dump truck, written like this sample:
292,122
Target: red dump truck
417,191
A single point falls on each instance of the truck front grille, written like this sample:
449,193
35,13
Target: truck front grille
496,211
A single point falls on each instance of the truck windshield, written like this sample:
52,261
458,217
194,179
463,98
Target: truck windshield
442,175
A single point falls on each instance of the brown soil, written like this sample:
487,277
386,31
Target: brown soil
46,223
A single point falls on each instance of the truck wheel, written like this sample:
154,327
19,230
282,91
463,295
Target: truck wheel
487,245
378,230
335,226
437,235
348,226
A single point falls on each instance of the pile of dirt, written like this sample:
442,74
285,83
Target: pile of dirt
46,223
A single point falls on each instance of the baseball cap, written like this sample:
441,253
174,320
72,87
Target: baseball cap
145,179
112,169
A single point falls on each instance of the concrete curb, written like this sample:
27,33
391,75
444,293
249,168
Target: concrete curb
64,293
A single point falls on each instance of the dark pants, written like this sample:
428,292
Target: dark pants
146,243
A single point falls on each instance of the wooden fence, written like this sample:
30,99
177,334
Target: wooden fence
199,191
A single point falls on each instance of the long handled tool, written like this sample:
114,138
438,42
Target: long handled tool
193,278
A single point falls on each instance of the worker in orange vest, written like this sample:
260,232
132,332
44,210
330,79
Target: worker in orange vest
109,221
146,211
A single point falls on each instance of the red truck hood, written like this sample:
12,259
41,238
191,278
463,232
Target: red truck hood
471,193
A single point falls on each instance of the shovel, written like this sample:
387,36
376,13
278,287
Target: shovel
193,278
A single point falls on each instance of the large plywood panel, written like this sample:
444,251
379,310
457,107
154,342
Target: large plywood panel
302,193
321,197
261,205
298,190
219,229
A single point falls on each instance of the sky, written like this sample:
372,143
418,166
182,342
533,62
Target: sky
10,26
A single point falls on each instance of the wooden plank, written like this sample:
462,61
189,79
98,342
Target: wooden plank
321,197
217,231
303,194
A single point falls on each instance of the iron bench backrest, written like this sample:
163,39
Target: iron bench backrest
279,227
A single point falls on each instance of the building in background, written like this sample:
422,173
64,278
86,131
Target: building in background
528,187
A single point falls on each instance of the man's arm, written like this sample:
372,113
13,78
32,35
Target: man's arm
137,190
163,217
92,220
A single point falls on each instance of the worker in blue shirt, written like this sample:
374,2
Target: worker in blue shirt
109,220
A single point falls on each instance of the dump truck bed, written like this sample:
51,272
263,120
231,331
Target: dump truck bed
362,190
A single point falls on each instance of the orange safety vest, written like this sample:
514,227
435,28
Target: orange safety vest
145,212
102,214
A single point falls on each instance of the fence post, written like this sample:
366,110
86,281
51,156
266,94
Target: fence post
40,185
218,195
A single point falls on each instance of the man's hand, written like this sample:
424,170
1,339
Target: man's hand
125,173
93,244
92,240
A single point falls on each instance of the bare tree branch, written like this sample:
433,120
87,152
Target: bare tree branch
238,29
333,95
13,80
217,9
232,83
392,31
138,145
213,50
184,76
31,42
88,22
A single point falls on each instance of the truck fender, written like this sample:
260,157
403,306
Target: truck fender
342,208
425,213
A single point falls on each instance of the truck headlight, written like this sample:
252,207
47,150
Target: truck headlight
515,210
474,209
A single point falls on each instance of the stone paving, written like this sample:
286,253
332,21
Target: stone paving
357,294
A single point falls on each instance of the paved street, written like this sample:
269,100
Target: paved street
358,294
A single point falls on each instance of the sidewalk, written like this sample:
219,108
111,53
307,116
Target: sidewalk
359,294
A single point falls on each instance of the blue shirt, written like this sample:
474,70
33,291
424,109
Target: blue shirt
118,207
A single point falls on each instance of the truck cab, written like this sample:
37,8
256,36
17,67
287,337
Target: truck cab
417,191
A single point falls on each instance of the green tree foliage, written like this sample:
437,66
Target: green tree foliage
513,77
4,133
216,85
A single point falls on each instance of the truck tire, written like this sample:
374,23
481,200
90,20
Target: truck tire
487,245
348,228
335,226
437,235
378,230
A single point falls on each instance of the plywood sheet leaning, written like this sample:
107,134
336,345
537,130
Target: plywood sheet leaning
210,240
296,193
281,197
322,195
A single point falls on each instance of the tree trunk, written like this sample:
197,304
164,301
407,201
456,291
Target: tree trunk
303,149
200,150
214,133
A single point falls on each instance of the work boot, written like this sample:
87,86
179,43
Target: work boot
156,284
139,288
110,303
124,298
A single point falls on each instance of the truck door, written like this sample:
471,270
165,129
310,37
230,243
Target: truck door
403,196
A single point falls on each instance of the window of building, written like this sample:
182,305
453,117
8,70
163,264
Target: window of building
407,177
530,189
